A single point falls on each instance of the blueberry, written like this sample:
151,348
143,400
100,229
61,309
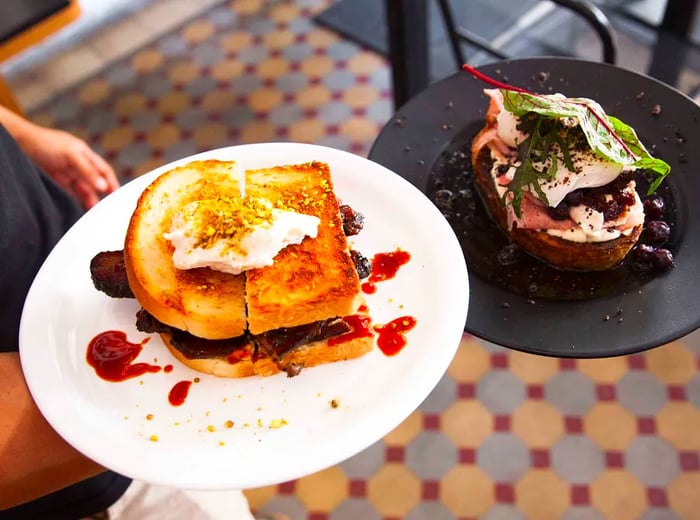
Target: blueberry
658,231
644,253
663,259
654,207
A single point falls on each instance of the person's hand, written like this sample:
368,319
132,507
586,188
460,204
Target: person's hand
71,163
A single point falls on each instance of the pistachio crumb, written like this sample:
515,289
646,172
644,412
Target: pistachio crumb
277,423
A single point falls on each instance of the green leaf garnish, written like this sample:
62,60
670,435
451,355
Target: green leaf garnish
607,136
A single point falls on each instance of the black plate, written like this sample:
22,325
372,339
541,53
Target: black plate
422,143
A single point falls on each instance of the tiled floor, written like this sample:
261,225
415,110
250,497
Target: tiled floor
504,435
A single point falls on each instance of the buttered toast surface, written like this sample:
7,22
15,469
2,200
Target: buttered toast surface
310,281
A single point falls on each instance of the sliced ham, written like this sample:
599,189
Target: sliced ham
534,215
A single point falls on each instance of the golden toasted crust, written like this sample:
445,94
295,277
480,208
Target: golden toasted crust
310,355
307,282
206,303
561,253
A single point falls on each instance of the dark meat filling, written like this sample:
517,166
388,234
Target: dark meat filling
108,274
276,344
363,265
190,346
279,343
597,199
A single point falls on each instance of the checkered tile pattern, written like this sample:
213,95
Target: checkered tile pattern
504,435
508,435
246,71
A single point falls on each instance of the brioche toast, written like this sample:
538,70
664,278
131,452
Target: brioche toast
310,281
207,303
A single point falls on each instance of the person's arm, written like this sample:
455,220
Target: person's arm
34,459
64,157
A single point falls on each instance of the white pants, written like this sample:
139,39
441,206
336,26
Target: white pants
146,502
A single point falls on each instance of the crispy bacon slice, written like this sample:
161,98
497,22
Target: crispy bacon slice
108,274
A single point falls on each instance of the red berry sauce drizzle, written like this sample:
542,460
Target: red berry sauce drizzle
111,354
384,267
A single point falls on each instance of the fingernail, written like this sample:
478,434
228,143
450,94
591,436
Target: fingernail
101,184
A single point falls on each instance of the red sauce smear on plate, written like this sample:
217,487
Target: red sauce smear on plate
111,355
179,392
392,336
384,267
361,328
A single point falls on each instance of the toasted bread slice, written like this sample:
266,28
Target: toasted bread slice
206,303
558,252
310,281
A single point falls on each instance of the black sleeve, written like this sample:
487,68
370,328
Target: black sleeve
34,214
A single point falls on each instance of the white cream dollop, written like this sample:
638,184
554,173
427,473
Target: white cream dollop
590,170
255,248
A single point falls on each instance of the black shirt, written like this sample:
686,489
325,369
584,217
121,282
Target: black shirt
34,213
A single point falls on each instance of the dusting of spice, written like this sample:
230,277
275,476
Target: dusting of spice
111,354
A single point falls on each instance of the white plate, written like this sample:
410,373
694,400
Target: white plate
110,422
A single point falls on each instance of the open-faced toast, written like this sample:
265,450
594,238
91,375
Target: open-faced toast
597,217
556,251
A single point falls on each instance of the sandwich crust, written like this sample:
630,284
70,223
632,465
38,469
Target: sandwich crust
207,303
558,252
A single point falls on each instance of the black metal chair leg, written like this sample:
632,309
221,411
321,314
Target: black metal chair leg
592,14
599,22
451,30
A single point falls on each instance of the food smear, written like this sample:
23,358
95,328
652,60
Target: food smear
111,354
179,392
384,267
392,336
